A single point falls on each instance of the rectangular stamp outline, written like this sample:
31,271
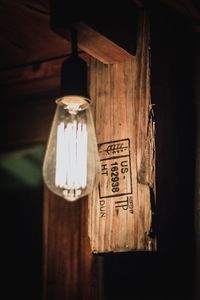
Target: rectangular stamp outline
114,157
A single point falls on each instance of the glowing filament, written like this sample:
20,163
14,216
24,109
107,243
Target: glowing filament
71,157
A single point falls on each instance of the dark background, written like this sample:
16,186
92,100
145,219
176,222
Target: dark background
170,273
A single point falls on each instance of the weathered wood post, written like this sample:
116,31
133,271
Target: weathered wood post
121,209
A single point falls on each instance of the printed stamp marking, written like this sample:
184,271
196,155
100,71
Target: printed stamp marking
125,204
115,175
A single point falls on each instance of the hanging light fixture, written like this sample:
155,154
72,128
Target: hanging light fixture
71,162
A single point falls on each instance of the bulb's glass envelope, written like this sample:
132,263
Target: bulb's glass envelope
71,162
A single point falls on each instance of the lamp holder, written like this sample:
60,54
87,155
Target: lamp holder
74,41
74,71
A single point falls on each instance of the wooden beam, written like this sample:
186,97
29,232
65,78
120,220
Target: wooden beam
100,47
107,36
122,206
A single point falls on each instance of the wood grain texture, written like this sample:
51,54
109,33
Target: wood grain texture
70,269
35,79
97,45
123,112
100,47
26,35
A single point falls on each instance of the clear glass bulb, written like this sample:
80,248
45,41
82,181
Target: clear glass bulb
71,162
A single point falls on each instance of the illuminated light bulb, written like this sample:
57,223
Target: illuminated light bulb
71,163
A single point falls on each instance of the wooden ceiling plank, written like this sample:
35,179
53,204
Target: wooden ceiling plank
26,36
34,79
